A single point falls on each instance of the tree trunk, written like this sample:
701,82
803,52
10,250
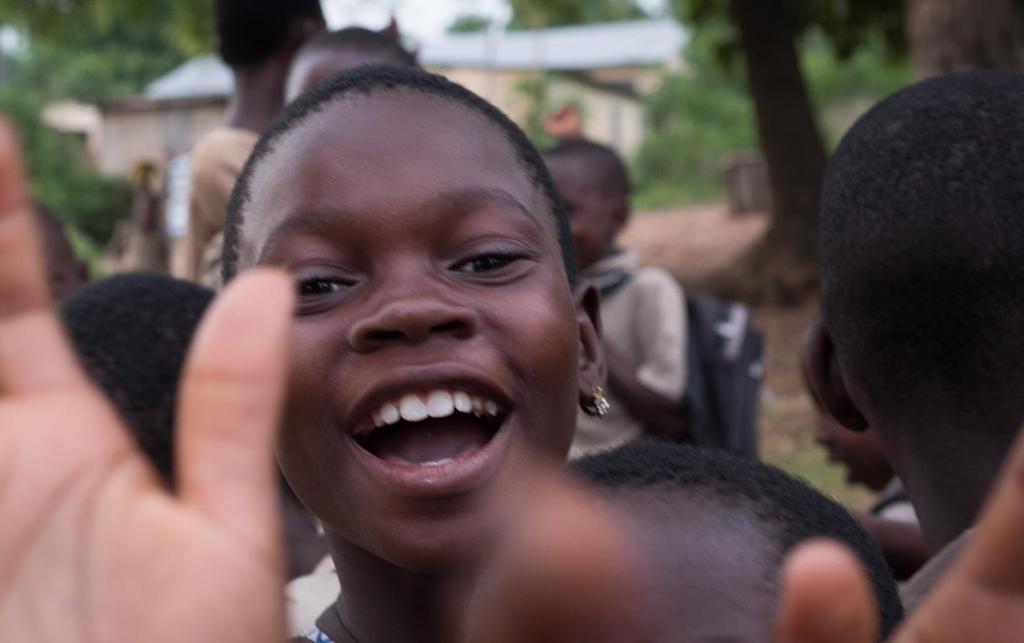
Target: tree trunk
784,266
957,35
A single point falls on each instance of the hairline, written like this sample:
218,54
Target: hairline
271,139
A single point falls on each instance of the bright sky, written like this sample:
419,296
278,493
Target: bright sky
424,19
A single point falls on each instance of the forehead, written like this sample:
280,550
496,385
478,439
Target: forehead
389,152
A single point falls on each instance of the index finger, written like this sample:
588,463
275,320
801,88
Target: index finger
34,355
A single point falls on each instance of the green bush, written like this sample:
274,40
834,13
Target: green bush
60,176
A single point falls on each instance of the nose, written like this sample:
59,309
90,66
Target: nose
411,321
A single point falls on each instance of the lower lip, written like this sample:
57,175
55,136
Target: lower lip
461,475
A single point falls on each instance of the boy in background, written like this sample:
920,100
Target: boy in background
713,531
331,52
258,39
642,308
923,294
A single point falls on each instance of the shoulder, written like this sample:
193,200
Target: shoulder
656,281
223,147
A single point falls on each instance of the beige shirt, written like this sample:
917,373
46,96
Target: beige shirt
217,160
644,319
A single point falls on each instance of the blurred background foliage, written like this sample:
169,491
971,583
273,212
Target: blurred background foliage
59,175
704,113
90,51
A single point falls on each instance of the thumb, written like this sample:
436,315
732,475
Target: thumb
825,598
231,398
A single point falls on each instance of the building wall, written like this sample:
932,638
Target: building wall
152,135
154,132
608,117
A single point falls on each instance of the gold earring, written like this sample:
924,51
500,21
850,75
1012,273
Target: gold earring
599,406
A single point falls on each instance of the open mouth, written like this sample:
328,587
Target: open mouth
431,429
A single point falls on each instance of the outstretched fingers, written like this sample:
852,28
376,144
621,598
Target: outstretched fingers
34,355
826,598
231,397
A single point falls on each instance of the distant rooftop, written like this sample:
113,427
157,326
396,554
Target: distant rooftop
578,48
596,46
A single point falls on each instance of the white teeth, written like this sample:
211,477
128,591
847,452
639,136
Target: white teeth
412,408
440,404
462,402
436,463
389,413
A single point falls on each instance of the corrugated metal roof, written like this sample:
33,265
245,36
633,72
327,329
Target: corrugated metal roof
577,48
204,76
596,46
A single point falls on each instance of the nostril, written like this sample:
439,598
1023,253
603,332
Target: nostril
383,336
451,327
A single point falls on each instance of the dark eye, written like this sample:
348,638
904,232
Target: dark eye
487,263
317,286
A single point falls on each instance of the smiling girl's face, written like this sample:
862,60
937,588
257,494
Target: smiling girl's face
438,344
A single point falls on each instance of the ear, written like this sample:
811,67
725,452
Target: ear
393,30
826,379
592,368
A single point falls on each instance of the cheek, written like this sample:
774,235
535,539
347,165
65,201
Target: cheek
545,355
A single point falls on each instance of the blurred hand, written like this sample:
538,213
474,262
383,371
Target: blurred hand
91,547
565,574
981,598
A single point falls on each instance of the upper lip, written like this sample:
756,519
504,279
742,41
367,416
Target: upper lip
422,380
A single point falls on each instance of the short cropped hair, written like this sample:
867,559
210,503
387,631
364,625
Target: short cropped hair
250,31
131,333
607,166
790,511
381,43
922,233
370,79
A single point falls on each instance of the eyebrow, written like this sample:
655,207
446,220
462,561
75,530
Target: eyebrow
323,222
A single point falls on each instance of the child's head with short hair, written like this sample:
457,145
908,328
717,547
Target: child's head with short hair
65,271
131,333
594,186
331,52
439,344
249,32
716,530
923,287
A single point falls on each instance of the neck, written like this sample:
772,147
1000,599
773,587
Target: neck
951,475
382,603
259,94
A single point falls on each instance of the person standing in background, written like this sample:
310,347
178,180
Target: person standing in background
258,39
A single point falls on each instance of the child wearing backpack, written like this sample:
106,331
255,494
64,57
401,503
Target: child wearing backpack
642,307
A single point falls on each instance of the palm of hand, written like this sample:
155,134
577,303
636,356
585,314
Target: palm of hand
91,547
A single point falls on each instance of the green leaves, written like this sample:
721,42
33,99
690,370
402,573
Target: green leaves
59,176
534,14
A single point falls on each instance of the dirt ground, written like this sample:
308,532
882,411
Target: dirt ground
696,243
